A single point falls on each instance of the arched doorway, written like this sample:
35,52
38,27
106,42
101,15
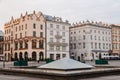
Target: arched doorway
41,56
34,57
26,56
16,57
9,57
20,56
82,57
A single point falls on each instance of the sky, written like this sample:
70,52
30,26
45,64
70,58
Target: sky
107,11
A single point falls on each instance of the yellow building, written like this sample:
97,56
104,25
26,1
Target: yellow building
116,39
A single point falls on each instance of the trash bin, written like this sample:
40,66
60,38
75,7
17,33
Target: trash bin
101,61
16,63
24,63
49,60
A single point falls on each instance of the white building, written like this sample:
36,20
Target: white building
57,37
90,40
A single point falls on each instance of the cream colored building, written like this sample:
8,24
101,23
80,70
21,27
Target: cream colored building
25,37
116,39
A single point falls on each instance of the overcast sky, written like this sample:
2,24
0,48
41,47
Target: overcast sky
73,10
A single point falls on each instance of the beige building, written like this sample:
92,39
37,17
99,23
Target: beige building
25,37
116,39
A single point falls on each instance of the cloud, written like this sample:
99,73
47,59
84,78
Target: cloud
73,10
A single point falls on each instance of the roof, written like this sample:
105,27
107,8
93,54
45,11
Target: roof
66,64
48,17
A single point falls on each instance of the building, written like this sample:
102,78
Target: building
1,44
25,37
116,39
57,37
35,37
90,40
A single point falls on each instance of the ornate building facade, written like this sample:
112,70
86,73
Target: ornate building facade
36,37
90,40
25,37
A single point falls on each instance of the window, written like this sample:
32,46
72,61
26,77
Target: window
83,37
52,56
34,26
95,37
51,26
22,27
25,34
58,48
99,45
95,45
84,45
63,48
21,45
51,39
26,44
94,31
74,46
91,37
63,40
41,34
41,44
63,55
16,46
25,26
99,37
63,34
16,29
41,26
83,30
15,36
33,43
79,45
51,48
51,32
91,45
20,35
34,33
57,26
63,27
19,28
103,46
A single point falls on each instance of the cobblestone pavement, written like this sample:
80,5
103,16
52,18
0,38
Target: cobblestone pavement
117,77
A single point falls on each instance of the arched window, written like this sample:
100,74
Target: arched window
33,43
21,45
41,44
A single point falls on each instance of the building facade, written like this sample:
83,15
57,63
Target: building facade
25,37
35,37
90,40
1,44
57,37
116,39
